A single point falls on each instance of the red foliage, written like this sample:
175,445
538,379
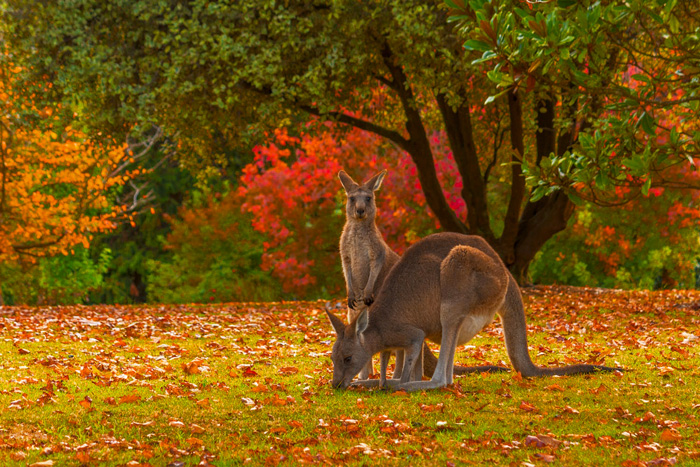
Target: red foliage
293,192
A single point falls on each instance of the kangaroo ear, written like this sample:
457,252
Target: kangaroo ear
337,324
362,322
375,182
348,183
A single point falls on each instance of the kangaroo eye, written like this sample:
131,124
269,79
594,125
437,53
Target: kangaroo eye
347,360
352,198
369,199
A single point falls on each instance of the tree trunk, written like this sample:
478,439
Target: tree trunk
511,228
460,134
540,221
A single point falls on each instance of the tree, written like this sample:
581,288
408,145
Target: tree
208,68
212,255
54,188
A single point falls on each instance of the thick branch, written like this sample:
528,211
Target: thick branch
460,134
365,125
517,187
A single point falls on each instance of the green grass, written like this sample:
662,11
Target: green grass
248,384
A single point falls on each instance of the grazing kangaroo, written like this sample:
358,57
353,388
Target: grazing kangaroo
446,288
366,257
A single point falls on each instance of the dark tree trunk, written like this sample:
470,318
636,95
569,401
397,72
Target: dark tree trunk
540,222
506,246
460,134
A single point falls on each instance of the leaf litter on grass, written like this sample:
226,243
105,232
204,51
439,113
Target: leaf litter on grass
248,383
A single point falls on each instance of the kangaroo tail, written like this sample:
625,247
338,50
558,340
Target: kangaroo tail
515,333
430,362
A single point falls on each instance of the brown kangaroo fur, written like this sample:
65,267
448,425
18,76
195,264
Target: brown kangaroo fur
367,260
366,257
446,288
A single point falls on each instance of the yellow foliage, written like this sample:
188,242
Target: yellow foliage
53,185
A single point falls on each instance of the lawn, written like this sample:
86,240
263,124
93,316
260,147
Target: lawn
248,383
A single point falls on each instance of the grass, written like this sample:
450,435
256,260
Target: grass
247,383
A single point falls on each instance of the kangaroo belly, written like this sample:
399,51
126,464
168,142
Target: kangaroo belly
471,327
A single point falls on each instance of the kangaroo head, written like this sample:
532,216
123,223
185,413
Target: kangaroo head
349,355
360,204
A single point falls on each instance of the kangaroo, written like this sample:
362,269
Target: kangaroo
367,260
365,255
446,288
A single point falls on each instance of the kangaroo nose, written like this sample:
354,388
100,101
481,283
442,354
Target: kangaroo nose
360,211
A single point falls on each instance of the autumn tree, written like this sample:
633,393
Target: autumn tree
54,188
552,78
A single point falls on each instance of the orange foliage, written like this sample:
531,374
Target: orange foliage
53,187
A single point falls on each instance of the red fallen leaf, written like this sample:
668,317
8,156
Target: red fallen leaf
47,463
129,398
278,429
203,402
360,403
259,388
399,393
195,442
554,387
119,343
649,416
288,370
22,351
110,401
631,463
570,410
86,402
249,372
599,389
295,424
527,407
432,408
83,457
518,376
195,367
176,424
671,435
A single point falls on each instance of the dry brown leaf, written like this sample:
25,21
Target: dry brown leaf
46,463
194,428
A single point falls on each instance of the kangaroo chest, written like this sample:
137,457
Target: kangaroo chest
365,249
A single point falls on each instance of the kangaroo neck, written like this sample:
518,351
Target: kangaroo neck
372,339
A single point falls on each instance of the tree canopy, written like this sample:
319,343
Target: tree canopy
594,98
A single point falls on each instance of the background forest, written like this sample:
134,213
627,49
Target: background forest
177,152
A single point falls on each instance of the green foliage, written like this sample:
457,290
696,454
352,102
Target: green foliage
54,280
626,69
652,243
214,256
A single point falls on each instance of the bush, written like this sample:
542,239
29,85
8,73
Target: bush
214,256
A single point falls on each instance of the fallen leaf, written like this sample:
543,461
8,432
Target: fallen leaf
527,407
288,370
86,402
671,435
47,463
194,428
129,398
195,442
